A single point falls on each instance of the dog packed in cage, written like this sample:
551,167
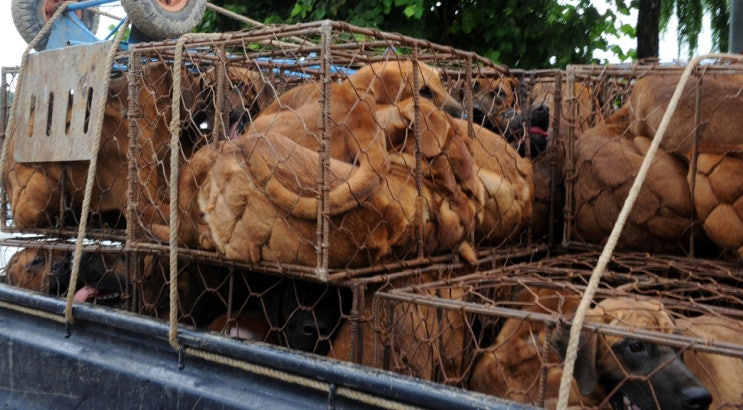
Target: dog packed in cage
403,175
689,202
650,340
46,268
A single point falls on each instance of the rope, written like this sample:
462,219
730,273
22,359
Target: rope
572,350
32,312
11,127
91,179
175,133
298,380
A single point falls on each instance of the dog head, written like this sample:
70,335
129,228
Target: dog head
494,102
306,314
645,374
535,122
246,93
101,280
392,81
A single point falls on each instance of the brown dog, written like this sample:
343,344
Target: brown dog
718,141
507,183
35,189
219,178
609,369
723,375
355,135
494,102
102,278
605,169
245,224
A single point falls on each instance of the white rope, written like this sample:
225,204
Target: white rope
92,166
572,350
175,134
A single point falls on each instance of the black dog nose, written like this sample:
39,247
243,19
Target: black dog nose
696,397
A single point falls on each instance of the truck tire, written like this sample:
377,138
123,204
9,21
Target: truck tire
30,16
164,19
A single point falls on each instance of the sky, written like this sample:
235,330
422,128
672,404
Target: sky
12,45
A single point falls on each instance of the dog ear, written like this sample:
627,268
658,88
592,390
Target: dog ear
585,363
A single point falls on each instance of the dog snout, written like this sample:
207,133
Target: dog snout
696,397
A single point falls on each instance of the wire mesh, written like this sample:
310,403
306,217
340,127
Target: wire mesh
691,183
499,331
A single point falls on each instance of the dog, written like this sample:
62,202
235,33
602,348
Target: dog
219,178
306,316
35,190
102,278
608,370
720,103
422,341
383,228
715,136
355,135
494,100
507,183
297,314
605,167
717,199
722,375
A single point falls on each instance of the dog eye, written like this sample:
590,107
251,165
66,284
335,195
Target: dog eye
426,92
38,261
636,346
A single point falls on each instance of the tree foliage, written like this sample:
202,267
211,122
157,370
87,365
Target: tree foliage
690,14
533,34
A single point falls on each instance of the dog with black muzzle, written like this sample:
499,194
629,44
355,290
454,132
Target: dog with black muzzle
610,371
102,279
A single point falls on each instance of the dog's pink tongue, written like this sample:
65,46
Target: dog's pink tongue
85,293
233,130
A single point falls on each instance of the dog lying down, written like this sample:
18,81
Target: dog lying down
610,371
355,135
228,195
102,278
244,224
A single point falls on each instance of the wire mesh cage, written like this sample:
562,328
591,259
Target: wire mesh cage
167,107
360,158
691,187
503,332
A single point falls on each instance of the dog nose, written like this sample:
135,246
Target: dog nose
696,397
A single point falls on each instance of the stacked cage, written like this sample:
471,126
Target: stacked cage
689,203
266,184
504,332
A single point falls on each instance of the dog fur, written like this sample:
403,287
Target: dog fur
380,229
35,189
511,367
605,166
220,178
102,278
718,142
355,135
423,343
507,183
494,102
722,375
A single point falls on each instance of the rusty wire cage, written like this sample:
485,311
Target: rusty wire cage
319,59
226,81
446,330
676,207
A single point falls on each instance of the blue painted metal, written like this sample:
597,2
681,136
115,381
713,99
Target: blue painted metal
67,30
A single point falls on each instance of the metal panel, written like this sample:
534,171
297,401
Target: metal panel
57,111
